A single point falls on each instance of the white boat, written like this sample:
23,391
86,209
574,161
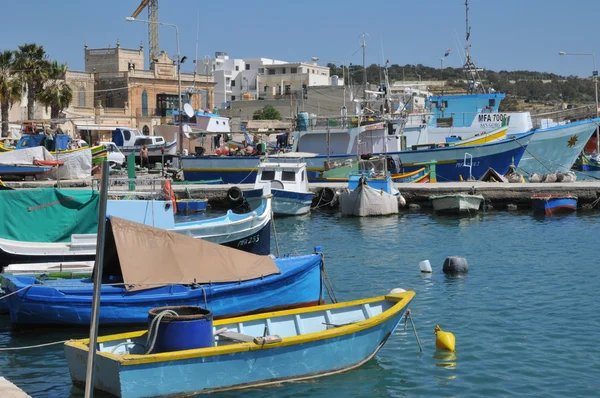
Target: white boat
289,187
249,232
370,191
456,203
131,140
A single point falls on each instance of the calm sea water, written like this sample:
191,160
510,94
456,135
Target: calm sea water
526,317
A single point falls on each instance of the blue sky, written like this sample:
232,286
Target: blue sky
505,34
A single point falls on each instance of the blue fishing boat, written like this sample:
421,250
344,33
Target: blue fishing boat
257,350
450,165
23,170
146,267
554,204
590,162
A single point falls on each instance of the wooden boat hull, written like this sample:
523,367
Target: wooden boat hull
341,342
457,203
69,302
554,204
19,170
285,203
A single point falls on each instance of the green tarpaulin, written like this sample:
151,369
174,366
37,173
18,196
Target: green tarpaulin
48,215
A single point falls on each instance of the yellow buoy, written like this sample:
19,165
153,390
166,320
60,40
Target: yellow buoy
444,340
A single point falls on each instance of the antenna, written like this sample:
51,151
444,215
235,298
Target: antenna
197,40
363,44
471,71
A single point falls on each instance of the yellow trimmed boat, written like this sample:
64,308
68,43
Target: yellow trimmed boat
249,351
485,138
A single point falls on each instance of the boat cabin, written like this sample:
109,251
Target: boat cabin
376,172
286,176
125,137
203,121
58,142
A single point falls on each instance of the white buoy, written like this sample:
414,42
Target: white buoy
425,266
397,290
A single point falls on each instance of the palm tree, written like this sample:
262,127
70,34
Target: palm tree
32,64
11,87
57,94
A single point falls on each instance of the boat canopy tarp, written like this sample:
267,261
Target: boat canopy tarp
148,257
47,215
77,164
25,156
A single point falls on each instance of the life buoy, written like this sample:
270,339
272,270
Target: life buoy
170,193
487,109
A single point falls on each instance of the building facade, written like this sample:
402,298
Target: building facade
287,79
235,79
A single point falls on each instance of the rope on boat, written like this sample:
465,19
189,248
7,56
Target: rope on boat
275,233
407,316
326,281
32,346
16,291
535,157
153,329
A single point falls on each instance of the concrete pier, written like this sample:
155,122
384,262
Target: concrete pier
9,390
498,195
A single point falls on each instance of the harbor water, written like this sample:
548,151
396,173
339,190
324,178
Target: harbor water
525,317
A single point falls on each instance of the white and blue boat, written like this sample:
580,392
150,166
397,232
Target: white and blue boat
51,229
253,351
370,191
147,267
289,187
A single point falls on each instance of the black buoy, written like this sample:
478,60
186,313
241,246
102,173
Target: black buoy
455,265
235,195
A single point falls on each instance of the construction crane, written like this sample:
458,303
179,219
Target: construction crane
153,37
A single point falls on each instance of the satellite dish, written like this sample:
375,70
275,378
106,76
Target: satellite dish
189,111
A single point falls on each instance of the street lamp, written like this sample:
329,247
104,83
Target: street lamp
180,135
595,74
315,59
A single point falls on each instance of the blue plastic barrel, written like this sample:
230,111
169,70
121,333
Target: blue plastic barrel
303,121
191,328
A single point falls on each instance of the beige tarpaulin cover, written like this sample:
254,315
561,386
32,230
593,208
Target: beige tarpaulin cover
151,257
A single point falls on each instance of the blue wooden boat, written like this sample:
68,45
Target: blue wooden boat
257,350
23,170
187,206
554,204
147,267
590,162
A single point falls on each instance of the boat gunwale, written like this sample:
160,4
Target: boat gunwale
402,300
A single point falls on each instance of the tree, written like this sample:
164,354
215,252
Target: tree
56,94
11,87
267,113
32,65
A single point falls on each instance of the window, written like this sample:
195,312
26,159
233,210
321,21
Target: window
261,70
293,70
313,71
81,97
247,66
267,175
233,97
237,67
266,88
144,103
271,71
288,176
143,141
233,83
283,71
146,130
492,102
288,89
159,140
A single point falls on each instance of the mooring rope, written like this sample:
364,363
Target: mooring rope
153,329
16,291
407,316
326,281
32,346
275,233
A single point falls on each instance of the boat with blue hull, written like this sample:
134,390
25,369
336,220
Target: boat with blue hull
498,155
258,350
146,267
63,232
288,184
554,204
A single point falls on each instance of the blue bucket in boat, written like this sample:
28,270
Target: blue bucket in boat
191,328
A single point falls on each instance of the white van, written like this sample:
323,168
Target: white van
115,156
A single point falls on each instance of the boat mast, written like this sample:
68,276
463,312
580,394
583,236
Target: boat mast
470,69
363,44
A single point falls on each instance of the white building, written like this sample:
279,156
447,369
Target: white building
235,79
289,78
